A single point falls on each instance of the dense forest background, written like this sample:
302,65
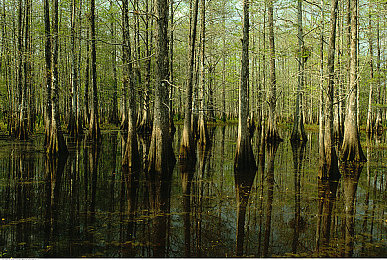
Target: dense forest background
216,68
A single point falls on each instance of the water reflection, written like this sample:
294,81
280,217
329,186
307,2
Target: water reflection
243,183
271,150
91,206
351,174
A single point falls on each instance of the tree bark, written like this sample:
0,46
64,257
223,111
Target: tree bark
272,131
74,126
113,117
161,158
202,124
145,125
94,130
56,144
298,133
369,127
131,157
244,157
187,144
351,148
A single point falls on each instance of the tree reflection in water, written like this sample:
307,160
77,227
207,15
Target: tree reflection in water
92,207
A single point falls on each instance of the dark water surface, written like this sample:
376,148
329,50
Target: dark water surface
86,206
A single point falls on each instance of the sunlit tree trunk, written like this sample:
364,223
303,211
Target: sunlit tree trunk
369,127
56,143
74,126
298,133
131,157
321,108
351,148
113,117
244,157
272,131
378,123
187,144
145,125
330,152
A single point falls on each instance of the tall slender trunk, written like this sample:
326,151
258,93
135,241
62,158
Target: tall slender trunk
244,157
202,124
87,77
272,131
94,130
331,161
321,108
75,130
298,133
131,158
187,145
113,117
369,127
56,145
351,148
171,76
378,123
146,124
47,54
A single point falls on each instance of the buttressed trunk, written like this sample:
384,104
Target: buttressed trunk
161,157
244,157
272,131
351,149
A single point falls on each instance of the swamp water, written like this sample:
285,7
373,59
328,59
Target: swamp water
86,206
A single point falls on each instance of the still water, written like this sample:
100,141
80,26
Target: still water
86,205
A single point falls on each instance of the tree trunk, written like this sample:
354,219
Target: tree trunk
56,144
244,157
145,126
131,157
161,158
298,133
94,130
202,124
187,150
87,77
113,117
378,123
369,127
47,53
321,108
171,76
272,131
75,130
351,148
331,161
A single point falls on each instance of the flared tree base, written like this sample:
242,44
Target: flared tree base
161,157
272,135
244,157
351,150
56,145
94,133
131,160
